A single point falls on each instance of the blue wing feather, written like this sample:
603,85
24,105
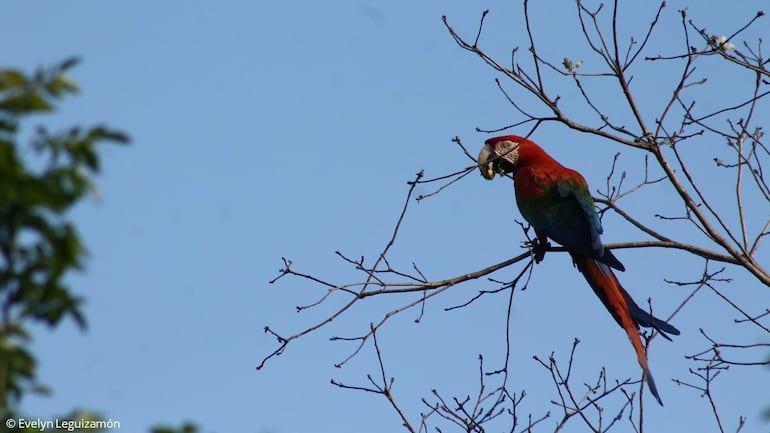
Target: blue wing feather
564,211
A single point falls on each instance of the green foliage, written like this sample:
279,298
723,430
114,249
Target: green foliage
39,183
185,428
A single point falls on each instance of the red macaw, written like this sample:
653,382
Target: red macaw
555,201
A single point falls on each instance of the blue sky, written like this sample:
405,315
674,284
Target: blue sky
264,130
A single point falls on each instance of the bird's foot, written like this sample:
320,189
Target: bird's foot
538,248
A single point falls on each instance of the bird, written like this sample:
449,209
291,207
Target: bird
556,202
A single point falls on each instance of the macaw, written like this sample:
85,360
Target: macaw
555,201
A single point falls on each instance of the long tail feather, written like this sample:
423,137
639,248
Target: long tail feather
610,260
624,310
643,318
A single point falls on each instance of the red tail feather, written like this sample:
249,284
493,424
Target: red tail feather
608,289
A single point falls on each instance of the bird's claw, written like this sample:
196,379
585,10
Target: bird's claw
538,249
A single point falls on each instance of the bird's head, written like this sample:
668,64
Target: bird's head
499,155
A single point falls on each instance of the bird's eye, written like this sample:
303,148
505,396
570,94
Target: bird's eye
505,145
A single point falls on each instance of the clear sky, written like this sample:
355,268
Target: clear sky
276,129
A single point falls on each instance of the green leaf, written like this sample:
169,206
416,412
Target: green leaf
187,427
61,85
69,63
39,246
25,103
10,78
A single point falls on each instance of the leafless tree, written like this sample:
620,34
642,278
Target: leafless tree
678,146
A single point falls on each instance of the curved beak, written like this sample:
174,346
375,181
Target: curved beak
487,161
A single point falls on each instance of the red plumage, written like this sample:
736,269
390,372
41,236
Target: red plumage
556,201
